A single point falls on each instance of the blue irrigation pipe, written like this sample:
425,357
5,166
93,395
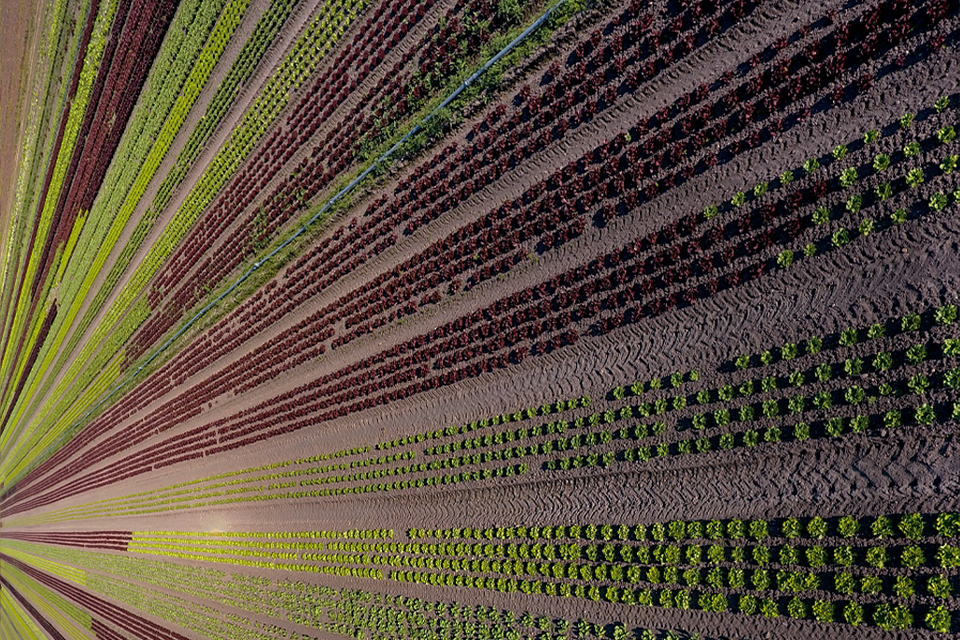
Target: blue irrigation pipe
303,228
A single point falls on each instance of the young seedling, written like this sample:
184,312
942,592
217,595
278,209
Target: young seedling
810,250
949,164
822,611
711,212
906,120
796,404
891,419
738,199
910,322
822,400
859,424
848,526
853,613
844,583
883,191
871,136
942,103
911,525
952,378
876,331
848,177
917,353
951,347
823,372
915,178
785,259
871,584
946,134
938,201
853,366
925,414
947,314
821,215
840,238
835,426
839,152
881,161
786,177
899,216
911,149
760,189
801,431
939,586
848,337
811,165
912,557
768,384
939,619
854,203
904,587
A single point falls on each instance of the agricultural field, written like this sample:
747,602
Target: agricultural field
479,319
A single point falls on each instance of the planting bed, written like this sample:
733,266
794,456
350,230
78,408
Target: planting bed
475,319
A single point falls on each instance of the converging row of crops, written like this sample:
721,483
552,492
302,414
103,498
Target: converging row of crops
484,319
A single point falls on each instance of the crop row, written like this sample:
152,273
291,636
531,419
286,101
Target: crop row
126,620
91,50
23,305
115,93
265,32
300,408
160,139
522,414
262,112
76,614
315,606
36,615
15,621
312,46
213,498
723,393
331,89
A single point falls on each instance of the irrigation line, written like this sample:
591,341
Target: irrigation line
303,228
